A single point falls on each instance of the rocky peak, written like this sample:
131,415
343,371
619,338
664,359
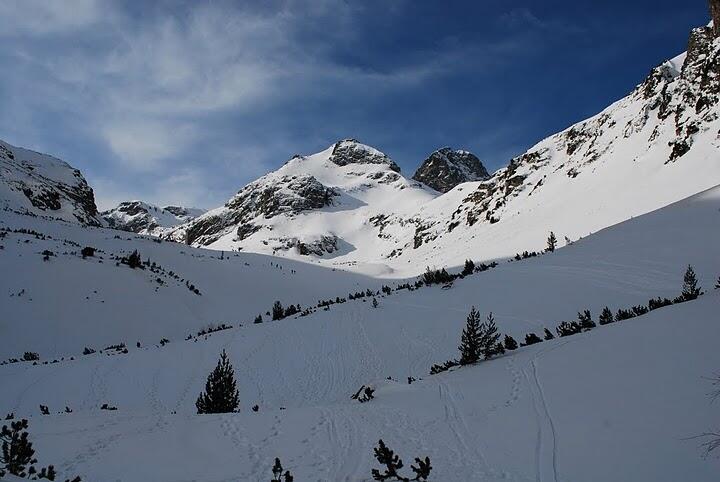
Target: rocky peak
350,151
269,196
144,218
446,168
180,211
41,185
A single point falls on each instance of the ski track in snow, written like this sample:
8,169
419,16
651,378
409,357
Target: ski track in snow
234,432
546,436
343,438
459,428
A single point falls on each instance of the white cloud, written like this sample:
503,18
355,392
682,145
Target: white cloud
142,145
151,89
46,17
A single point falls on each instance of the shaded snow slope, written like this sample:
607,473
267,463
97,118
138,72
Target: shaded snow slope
616,403
59,306
41,185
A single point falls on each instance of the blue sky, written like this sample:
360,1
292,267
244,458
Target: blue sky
185,102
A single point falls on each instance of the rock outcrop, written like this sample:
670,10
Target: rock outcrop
143,218
41,185
351,151
446,168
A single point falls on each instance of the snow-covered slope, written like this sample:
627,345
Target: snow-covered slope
41,185
616,403
620,402
143,218
654,147
59,305
326,205
446,168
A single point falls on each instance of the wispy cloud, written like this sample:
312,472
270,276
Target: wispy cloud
189,100
149,88
42,18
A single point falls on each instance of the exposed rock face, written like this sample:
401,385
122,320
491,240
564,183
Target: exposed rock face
325,244
41,185
715,15
678,101
267,197
143,218
446,168
351,151
283,211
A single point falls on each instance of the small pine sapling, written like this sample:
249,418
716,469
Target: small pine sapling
606,317
510,343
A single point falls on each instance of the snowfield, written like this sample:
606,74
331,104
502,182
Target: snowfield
59,306
616,403
654,147
119,349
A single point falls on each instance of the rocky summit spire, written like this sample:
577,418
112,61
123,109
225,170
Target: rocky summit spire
715,15
446,168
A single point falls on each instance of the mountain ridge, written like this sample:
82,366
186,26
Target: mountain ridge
647,150
144,218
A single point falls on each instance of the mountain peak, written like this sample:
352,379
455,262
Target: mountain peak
447,167
41,185
350,151
144,218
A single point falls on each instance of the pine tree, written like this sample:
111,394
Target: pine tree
531,339
17,450
278,313
389,459
717,284
489,337
548,334
568,328
469,267
690,289
392,464
221,394
134,260
510,343
422,471
471,338
47,473
551,242
606,317
375,303
585,320
278,475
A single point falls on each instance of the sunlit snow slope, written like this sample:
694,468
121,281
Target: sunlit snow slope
616,403
654,147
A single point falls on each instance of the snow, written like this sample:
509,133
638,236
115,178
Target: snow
617,403
153,220
45,176
677,62
622,402
235,288
597,173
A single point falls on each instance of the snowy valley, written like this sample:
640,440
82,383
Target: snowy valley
335,284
